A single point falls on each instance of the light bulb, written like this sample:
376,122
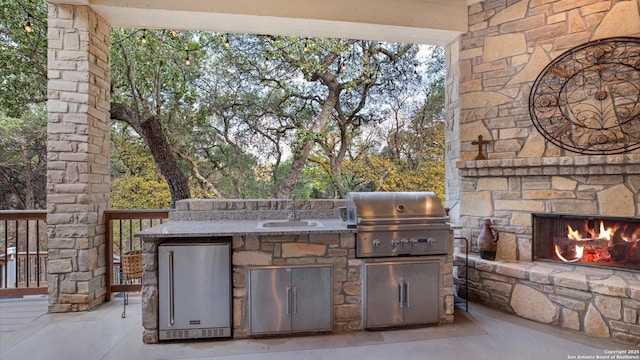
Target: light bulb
187,61
143,39
266,61
27,26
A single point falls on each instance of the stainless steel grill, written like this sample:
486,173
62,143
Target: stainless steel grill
398,224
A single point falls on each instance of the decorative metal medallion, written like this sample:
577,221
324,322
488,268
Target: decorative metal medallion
588,99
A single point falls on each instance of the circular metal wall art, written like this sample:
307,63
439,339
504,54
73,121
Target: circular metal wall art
588,99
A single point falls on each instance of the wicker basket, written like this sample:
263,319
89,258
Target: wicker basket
132,266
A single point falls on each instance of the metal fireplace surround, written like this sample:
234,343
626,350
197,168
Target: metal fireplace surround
598,241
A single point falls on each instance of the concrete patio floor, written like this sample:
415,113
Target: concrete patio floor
26,332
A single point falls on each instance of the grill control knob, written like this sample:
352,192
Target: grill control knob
431,241
394,243
413,241
376,243
404,242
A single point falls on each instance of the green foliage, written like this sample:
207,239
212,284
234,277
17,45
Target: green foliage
140,192
136,182
238,123
23,164
23,56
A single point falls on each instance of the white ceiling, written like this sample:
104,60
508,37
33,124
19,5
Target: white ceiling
433,22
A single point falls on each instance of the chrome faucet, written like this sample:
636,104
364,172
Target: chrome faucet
293,216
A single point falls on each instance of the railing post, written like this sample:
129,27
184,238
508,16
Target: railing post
109,255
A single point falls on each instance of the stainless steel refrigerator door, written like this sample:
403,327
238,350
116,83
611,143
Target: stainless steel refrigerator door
312,299
421,293
194,286
384,295
270,304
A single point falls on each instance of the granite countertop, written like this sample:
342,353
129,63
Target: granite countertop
177,229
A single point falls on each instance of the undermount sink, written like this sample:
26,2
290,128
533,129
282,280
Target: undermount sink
286,223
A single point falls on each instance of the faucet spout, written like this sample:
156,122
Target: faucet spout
293,215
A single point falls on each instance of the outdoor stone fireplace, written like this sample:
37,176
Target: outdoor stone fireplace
591,241
494,66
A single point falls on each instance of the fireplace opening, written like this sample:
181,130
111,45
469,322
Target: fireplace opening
610,242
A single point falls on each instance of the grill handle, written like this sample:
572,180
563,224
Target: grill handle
401,294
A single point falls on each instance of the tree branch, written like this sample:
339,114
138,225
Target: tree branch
196,172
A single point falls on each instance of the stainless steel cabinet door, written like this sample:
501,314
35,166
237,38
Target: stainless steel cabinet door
311,299
283,299
194,286
402,294
384,307
421,292
270,294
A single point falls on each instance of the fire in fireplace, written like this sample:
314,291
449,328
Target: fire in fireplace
587,240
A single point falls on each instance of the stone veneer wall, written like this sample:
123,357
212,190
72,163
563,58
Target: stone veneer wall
78,156
598,302
333,249
493,67
490,73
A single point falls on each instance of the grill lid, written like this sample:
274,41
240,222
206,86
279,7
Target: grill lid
394,208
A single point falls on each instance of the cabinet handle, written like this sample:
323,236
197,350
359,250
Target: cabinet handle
295,300
171,291
400,294
288,301
406,294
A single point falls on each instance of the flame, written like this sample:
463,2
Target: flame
633,237
603,233
598,241
573,234
579,252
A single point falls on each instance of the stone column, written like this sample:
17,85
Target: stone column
452,133
77,156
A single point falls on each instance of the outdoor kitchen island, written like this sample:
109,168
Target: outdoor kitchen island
261,239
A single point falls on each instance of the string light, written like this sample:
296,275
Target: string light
27,26
226,41
305,48
266,61
143,39
186,60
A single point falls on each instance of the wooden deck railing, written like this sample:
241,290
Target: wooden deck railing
23,248
23,252
121,226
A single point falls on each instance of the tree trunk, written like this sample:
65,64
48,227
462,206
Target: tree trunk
29,199
151,131
302,153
